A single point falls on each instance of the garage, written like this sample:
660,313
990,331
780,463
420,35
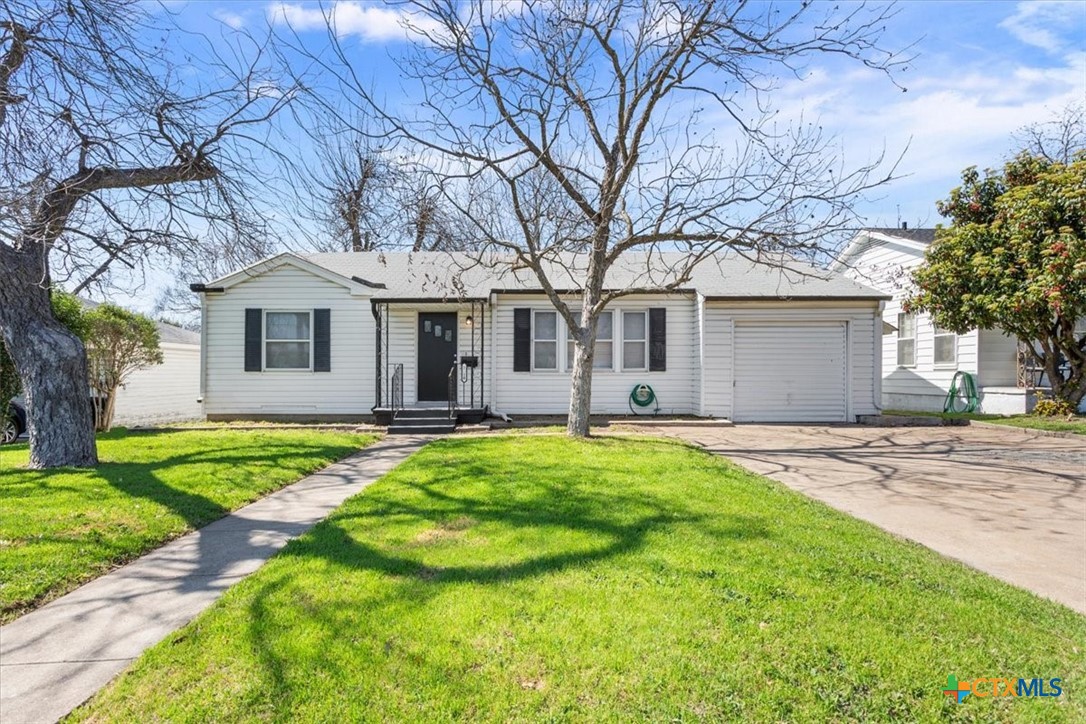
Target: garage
790,371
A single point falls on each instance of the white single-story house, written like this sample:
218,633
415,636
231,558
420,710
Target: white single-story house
919,360
167,392
343,336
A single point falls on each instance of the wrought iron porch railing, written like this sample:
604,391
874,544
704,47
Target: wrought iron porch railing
452,393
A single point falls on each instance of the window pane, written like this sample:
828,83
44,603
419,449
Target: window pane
633,325
906,352
605,352
906,325
605,329
546,325
633,355
945,348
940,330
287,355
546,355
287,325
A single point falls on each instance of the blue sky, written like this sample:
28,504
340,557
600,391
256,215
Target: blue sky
982,71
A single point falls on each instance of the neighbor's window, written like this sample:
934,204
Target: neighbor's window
286,340
545,340
906,340
605,344
946,345
635,340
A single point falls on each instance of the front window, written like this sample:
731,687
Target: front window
906,340
634,340
287,340
605,344
545,340
946,346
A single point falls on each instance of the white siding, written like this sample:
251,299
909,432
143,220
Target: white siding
716,371
721,318
922,386
998,359
347,390
547,392
162,393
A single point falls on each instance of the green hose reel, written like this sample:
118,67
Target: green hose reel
643,395
962,398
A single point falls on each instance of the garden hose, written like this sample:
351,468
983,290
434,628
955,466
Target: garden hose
966,393
642,395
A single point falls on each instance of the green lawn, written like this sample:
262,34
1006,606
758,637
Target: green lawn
60,528
518,577
1076,425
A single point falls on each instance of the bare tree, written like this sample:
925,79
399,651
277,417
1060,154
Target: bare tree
574,133
109,153
1058,139
351,188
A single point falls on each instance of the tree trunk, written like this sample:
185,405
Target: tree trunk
52,365
580,394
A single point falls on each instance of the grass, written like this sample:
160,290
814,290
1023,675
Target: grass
60,528
515,577
1076,424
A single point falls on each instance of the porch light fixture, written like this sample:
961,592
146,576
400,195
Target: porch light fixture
468,321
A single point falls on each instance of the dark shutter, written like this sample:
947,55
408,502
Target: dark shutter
657,339
254,320
522,340
322,340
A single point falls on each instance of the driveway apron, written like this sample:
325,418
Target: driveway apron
1005,501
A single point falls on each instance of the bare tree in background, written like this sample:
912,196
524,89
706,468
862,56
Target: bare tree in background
1058,139
351,190
605,128
109,153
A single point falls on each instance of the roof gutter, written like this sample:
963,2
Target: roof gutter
805,298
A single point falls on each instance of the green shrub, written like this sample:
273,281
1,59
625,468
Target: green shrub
1048,407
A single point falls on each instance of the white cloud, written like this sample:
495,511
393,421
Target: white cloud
375,24
1043,24
234,20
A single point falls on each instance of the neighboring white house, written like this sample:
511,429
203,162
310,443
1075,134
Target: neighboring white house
163,393
169,392
350,335
919,360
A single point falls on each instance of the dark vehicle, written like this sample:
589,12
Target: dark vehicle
13,423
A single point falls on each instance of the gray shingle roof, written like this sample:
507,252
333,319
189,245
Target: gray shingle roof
446,275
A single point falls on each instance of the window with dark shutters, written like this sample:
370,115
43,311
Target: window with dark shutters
522,340
322,340
658,339
254,321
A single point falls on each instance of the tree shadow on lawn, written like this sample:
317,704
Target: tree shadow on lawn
143,481
573,527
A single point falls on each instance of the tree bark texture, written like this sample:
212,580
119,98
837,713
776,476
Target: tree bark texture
580,394
52,365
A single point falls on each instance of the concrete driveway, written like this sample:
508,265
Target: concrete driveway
1007,502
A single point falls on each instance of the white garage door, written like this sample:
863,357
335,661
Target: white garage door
790,372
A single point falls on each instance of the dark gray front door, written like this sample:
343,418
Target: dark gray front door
437,354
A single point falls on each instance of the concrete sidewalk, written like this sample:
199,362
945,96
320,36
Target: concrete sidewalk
55,658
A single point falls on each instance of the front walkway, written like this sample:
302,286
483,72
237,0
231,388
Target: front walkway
1007,502
53,659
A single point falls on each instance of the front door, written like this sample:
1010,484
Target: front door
437,354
